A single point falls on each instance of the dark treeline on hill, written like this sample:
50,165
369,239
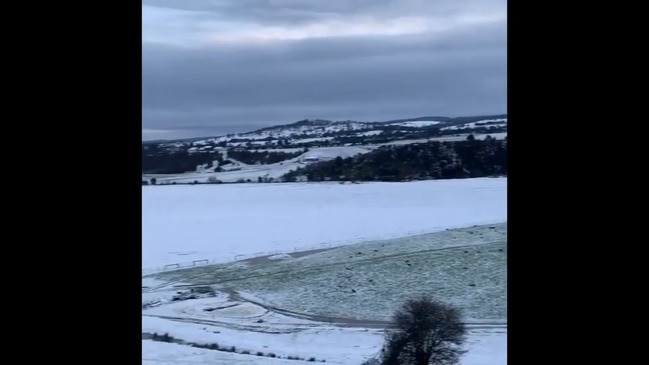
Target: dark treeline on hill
263,157
432,160
161,162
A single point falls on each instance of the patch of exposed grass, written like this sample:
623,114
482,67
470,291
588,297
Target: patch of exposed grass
467,267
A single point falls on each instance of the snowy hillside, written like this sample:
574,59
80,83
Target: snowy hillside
238,171
309,131
320,139
418,123
313,128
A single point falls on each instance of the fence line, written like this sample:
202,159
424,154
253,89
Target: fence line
214,360
235,258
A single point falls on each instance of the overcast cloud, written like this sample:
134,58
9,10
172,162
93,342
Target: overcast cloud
212,67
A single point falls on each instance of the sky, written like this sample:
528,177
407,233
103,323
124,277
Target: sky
212,67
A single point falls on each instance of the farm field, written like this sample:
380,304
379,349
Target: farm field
220,222
319,268
367,281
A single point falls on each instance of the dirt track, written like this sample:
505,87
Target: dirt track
322,319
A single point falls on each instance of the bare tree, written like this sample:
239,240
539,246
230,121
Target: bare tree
426,332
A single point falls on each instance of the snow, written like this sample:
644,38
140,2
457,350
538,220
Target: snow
313,131
486,348
482,123
335,345
370,133
328,153
348,346
418,124
453,138
162,353
277,149
281,256
445,263
221,222
218,222
239,171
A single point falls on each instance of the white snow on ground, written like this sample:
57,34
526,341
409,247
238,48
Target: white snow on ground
486,348
215,221
157,297
329,153
221,221
162,353
150,282
348,346
481,123
417,124
293,131
321,283
453,138
335,345
253,172
280,256
278,149
369,133
231,313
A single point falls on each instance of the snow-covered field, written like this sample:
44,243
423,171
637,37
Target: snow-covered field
255,334
219,222
453,138
394,238
465,266
418,123
340,346
483,123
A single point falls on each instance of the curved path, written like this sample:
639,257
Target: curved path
320,320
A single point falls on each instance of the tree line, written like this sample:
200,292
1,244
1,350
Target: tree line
163,162
262,157
432,160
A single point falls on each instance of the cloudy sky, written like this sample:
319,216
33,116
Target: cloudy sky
212,67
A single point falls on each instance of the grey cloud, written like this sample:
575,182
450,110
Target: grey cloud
459,72
275,12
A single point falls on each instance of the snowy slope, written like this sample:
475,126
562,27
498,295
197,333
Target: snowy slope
253,172
307,131
313,128
341,346
184,223
418,123
502,122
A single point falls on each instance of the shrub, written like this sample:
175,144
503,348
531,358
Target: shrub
166,338
426,332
